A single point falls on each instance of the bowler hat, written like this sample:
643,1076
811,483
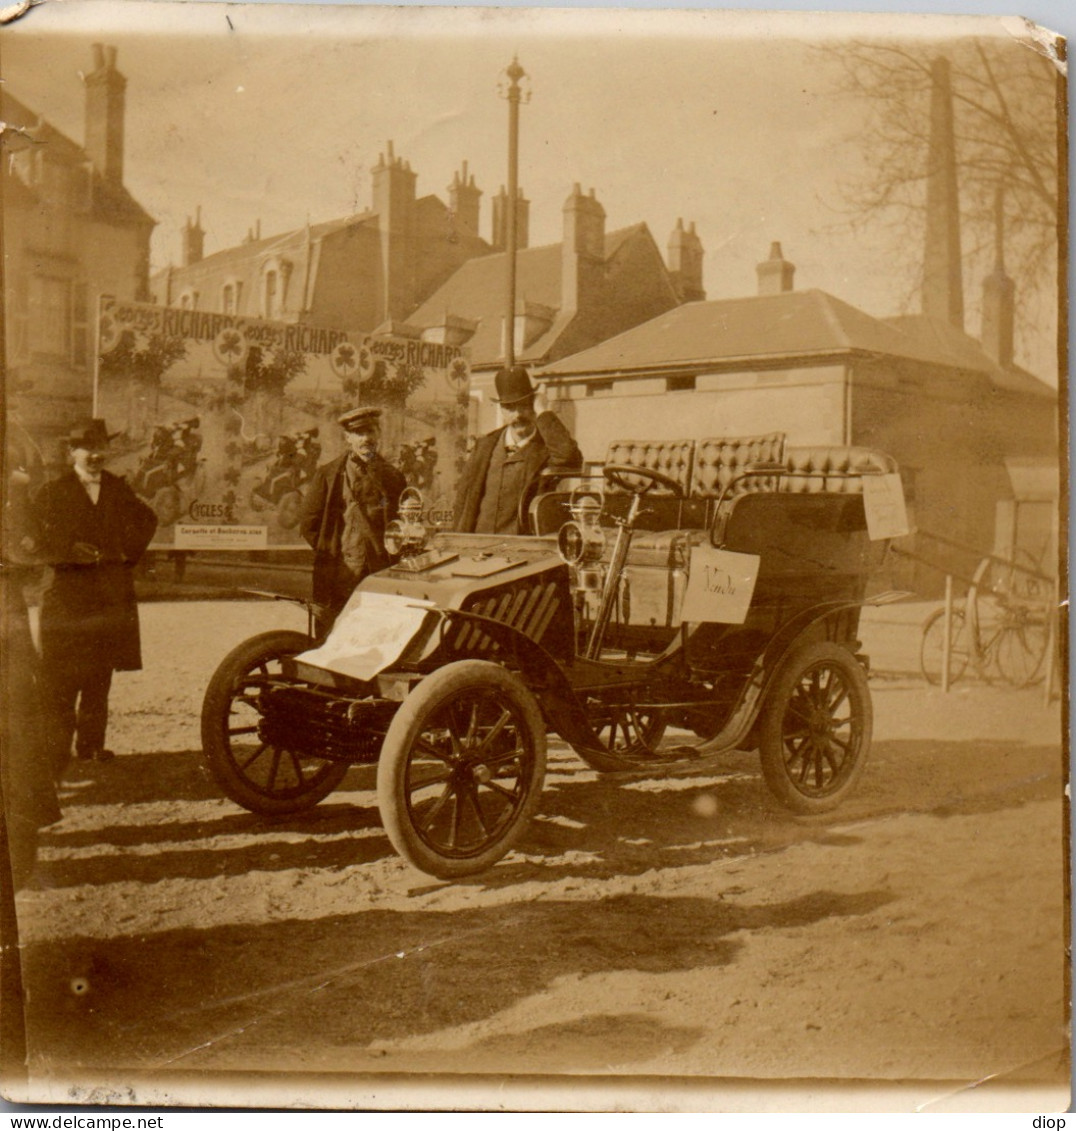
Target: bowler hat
513,385
356,418
89,432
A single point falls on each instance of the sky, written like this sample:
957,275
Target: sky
728,120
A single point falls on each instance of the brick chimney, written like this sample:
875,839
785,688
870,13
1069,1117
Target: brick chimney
583,251
193,239
943,282
500,220
463,199
685,262
998,298
394,203
105,97
775,274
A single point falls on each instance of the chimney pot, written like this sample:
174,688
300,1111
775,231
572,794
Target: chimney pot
685,262
775,274
105,97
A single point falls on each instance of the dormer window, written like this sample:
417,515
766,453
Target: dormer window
230,295
272,294
275,274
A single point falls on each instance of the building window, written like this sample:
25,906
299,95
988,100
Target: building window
679,384
228,299
50,316
272,298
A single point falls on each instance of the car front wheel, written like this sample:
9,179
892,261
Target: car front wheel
461,769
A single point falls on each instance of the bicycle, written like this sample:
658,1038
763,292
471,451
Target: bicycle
1004,626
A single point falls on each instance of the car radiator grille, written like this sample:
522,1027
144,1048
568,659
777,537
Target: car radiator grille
527,607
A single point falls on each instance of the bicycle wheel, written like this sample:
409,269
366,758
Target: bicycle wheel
932,647
1020,647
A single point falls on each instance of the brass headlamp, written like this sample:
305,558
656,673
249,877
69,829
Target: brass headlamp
406,534
581,541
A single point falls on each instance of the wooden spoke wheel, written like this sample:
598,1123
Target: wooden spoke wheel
461,769
259,775
816,728
627,737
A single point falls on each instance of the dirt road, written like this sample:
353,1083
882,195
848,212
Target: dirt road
672,944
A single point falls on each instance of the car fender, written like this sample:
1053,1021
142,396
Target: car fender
560,706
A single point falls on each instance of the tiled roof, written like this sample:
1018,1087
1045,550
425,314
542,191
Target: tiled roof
941,343
296,237
477,291
793,324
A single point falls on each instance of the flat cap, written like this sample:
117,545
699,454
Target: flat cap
359,417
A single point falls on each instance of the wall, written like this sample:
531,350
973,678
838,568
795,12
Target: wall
54,239
951,434
807,404
635,288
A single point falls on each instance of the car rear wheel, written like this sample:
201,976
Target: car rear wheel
461,769
816,728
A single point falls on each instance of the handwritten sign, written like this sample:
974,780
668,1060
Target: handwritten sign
369,634
883,501
719,586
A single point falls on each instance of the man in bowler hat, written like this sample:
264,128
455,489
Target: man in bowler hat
92,529
350,502
506,464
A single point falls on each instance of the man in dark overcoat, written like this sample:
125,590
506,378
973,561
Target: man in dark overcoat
92,529
29,789
349,503
506,464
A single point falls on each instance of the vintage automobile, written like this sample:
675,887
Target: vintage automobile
687,601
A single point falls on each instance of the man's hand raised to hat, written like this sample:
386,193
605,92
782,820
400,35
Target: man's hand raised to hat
541,404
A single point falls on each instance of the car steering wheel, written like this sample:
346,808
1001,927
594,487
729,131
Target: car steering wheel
615,473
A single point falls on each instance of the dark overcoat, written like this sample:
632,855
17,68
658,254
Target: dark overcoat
551,449
321,522
89,612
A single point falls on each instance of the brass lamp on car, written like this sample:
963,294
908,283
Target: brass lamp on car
582,541
405,536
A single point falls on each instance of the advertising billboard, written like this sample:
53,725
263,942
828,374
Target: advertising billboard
220,420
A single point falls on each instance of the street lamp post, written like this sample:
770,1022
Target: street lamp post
514,72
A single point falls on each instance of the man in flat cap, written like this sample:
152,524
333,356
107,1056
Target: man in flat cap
345,511
92,529
506,464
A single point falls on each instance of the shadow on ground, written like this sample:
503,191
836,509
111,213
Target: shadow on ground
375,975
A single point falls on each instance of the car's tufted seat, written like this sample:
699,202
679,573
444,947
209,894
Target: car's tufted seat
673,458
720,460
831,469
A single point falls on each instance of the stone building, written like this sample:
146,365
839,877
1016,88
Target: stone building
591,286
356,273
975,434
71,231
